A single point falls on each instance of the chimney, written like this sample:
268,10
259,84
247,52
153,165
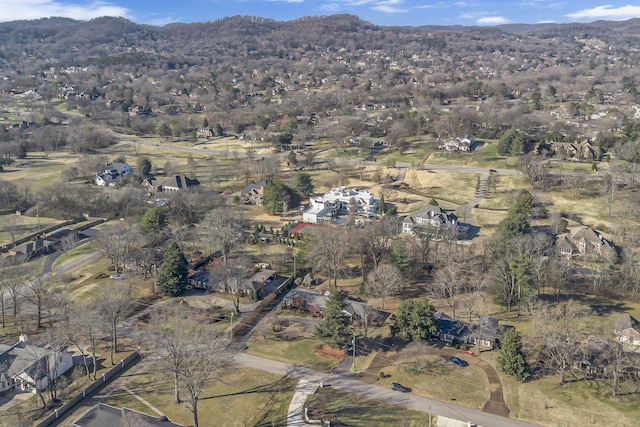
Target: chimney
23,338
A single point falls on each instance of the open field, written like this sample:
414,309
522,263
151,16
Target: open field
22,226
352,410
243,397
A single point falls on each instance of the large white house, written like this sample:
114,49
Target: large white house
337,201
112,173
435,222
28,367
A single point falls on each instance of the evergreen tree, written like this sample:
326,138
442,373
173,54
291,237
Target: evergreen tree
383,205
517,221
334,328
153,221
172,276
511,359
144,166
276,195
303,184
399,257
415,320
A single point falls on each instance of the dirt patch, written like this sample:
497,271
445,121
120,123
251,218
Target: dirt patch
330,353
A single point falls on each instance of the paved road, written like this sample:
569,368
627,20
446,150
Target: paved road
351,385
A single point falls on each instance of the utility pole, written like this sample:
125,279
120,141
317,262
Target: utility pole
429,415
231,325
353,367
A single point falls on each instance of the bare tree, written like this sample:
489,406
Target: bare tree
563,326
37,290
86,325
328,249
224,229
609,190
114,305
169,340
449,281
228,277
204,357
383,281
117,242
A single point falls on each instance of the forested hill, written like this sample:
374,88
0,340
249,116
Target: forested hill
67,39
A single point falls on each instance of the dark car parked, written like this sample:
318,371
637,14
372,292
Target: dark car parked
458,361
399,387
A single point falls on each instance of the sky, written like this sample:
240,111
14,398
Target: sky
381,12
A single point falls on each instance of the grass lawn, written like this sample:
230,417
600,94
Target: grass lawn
241,397
301,351
439,379
346,409
74,254
22,226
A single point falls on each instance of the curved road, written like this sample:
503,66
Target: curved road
350,385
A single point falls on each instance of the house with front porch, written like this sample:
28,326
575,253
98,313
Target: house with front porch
585,241
28,367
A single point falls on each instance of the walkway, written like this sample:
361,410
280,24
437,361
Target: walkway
303,390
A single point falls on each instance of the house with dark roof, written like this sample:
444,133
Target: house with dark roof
452,331
28,367
432,220
33,248
253,193
178,183
585,241
103,415
627,330
112,173
488,333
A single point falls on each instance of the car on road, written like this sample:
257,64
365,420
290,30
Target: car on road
115,277
399,387
458,361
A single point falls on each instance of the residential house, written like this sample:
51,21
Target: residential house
28,367
111,174
585,241
150,184
140,110
488,333
339,201
305,300
460,143
452,331
254,287
103,415
198,279
627,330
208,132
253,193
35,247
178,183
438,223
582,150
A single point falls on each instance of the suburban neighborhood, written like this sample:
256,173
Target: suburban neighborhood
323,221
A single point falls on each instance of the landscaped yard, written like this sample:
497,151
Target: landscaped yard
302,351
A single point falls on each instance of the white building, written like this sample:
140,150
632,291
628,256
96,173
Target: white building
28,367
337,202
112,173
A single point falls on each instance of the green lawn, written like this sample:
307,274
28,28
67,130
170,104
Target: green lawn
300,351
434,377
348,409
242,397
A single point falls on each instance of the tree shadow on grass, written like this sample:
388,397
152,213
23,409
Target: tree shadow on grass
285,383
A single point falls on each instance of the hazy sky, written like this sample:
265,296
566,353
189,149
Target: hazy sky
382,12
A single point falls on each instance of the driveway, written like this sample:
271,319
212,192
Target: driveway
351,385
